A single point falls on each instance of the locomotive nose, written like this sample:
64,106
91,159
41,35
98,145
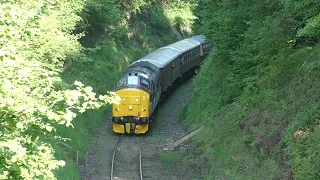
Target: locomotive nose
131,115
134,102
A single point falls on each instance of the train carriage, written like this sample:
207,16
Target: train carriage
147,79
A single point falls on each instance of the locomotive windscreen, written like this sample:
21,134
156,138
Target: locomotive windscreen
132,80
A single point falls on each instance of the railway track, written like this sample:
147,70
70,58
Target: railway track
127,159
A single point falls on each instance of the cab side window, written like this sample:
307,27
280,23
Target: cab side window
153,90
144,83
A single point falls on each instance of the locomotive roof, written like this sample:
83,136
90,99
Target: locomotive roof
163,56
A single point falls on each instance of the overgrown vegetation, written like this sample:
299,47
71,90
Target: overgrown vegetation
35,41
46,48
263,76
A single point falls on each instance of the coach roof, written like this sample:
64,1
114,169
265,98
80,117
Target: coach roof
163,56
200,38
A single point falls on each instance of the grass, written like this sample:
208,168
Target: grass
170,157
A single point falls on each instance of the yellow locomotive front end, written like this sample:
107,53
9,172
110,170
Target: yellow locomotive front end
132,114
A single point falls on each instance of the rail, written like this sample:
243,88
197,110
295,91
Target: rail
113,155
140,160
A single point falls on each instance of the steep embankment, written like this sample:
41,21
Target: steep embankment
263,77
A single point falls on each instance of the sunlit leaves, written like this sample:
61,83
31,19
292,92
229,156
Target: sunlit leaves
312,28
180,15
35,40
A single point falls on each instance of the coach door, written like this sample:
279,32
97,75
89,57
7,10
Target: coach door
176,69
167,76
183,64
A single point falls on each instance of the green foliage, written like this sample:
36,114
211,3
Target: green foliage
135,5
35,40
102,18
312,27
263,74
180,15
156,16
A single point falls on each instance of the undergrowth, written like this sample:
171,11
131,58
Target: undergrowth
261,78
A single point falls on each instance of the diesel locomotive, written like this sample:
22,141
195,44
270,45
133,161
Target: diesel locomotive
149,78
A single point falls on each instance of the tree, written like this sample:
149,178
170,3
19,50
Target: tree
36,38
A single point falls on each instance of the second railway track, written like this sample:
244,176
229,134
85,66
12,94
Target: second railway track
127,159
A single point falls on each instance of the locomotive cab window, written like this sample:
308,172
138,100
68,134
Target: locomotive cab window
152,90
144,83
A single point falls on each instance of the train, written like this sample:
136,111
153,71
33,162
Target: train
147,80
